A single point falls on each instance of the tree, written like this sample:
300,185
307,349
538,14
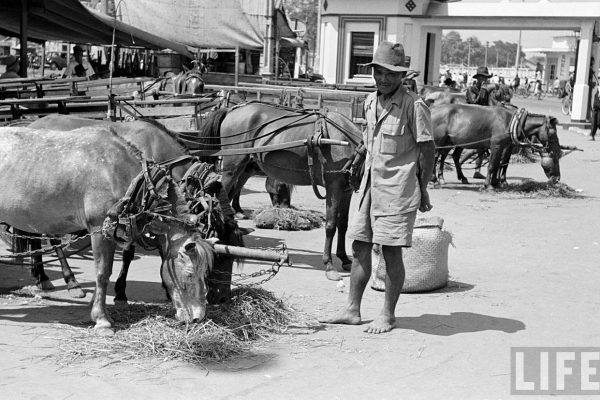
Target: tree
307,12
456,51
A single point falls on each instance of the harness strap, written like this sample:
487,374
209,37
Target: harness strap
314,151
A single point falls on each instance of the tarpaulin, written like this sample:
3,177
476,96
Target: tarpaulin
206,23
69,20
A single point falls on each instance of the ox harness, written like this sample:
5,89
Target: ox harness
314,144
148,197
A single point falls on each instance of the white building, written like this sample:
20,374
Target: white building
559,59
351,29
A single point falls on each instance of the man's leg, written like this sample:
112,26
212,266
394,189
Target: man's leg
595,115
394,281
359,277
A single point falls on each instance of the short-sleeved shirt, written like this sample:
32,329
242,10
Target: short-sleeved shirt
391,140
70,71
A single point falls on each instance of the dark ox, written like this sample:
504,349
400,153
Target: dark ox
481,128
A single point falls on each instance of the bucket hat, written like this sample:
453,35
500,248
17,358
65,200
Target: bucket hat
389,56
482,71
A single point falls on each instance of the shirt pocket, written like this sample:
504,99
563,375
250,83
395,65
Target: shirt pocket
391,135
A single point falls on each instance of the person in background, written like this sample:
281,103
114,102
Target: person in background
78,66
516,82
398,165
478,94
410,81
12,68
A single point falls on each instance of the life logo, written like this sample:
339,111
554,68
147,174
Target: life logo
555,370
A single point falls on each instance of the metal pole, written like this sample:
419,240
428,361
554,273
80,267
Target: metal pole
518,57
486,51
469,55
317,57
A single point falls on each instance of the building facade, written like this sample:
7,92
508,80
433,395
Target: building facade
351,29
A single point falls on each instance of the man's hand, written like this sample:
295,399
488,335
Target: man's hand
425,204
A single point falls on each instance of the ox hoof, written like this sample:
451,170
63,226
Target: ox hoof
121,304
45,285
478,175
103,331
333,275
465,181
347,266
76,292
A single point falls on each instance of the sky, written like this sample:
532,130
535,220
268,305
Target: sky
529,39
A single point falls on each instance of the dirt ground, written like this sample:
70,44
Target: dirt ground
524,272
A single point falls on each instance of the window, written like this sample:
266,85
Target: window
361,52
552,72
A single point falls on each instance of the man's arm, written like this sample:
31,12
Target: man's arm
426,163
424,138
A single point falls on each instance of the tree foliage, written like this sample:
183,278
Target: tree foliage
456,51
307,12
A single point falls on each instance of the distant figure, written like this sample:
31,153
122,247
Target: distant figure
516,82
12,68
478,93
78,66
409,80
595,110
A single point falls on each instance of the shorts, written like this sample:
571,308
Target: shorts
386,230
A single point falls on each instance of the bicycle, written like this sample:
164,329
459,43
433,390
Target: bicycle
566,105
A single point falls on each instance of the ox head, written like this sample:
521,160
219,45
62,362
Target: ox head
186,262
551,152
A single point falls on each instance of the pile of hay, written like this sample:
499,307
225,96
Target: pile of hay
542,189
150,331
288,219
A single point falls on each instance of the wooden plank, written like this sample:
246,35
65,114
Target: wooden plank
166,111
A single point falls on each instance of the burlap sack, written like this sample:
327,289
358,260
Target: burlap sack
425,263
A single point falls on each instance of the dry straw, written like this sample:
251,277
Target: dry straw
288,219
530,188
149,331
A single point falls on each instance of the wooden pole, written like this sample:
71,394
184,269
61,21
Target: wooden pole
23,37
237,66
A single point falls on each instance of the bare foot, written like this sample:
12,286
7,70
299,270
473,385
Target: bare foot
345,317
381,325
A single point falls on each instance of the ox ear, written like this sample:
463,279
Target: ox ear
245,231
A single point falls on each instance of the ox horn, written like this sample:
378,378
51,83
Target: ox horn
572,148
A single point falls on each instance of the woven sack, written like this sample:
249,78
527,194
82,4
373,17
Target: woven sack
425,263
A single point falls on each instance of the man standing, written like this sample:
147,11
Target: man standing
78,66
398,166
478,94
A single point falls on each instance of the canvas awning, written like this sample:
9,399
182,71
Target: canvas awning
207,23
70,21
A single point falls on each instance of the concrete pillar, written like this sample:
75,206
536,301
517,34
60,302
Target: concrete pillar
581,90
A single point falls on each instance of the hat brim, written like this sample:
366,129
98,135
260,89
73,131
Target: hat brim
395,68
484,75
